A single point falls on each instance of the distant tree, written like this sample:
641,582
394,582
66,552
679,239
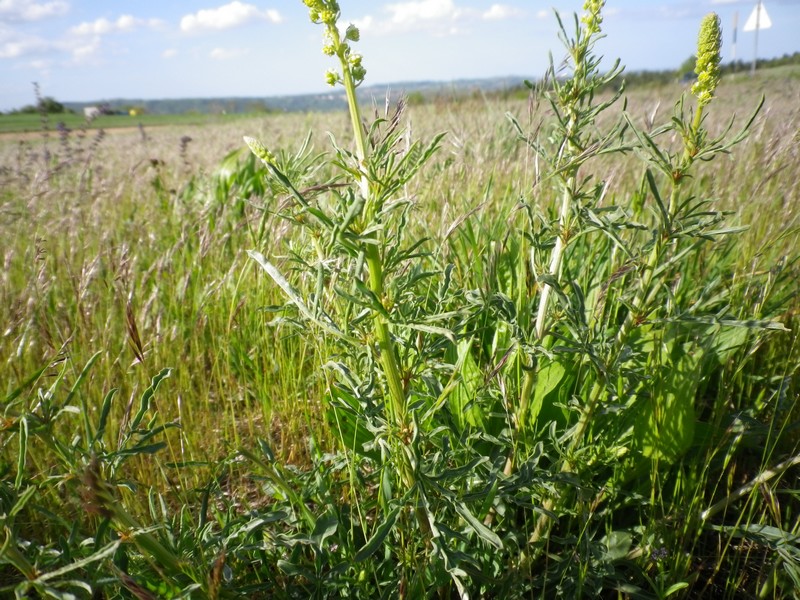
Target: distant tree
45,105
51,106
415,98
258,107
686,70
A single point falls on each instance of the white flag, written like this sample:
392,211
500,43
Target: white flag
758,18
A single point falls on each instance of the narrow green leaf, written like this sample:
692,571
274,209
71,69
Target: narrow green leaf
377,540
23,452
104,412
651,182
294,296
147,397
146,449
489,536
429,329
101,554
22,500
675,587
82,376
29,381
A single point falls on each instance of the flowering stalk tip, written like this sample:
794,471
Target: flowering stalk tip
592,17
709,44
260,150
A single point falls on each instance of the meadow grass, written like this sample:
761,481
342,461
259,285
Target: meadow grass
20,123
224,446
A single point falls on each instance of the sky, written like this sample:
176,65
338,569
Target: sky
93,50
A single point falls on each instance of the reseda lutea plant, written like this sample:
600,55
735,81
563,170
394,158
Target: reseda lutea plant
618,362
474,422
371,297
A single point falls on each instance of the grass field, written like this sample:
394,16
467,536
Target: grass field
519,367
19,123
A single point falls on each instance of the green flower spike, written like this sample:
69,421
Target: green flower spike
260,151
592,17
709,43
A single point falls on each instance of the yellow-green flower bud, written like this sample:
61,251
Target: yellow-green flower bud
332,77
709,43
328,45
328,17
352,33
260,150
356,68
592,17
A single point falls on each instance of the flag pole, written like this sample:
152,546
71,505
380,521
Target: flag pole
755,47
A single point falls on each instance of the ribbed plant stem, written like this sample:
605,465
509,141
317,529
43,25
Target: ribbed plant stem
396,404
554,268
556,257
397,396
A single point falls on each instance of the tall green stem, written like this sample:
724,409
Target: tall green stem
397,396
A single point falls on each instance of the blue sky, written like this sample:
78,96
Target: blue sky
92,50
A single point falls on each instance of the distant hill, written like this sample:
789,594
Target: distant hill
326,101
415,90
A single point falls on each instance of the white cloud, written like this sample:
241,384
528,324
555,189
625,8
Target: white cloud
227,53
169,53
543,14
227,16
85,51
412,13
14,44
440,17
26,10
498,12
21,47
103,26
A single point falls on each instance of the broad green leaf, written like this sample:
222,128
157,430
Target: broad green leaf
665,425
325,527
549,377
618,544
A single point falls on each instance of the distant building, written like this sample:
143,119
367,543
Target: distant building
92,112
